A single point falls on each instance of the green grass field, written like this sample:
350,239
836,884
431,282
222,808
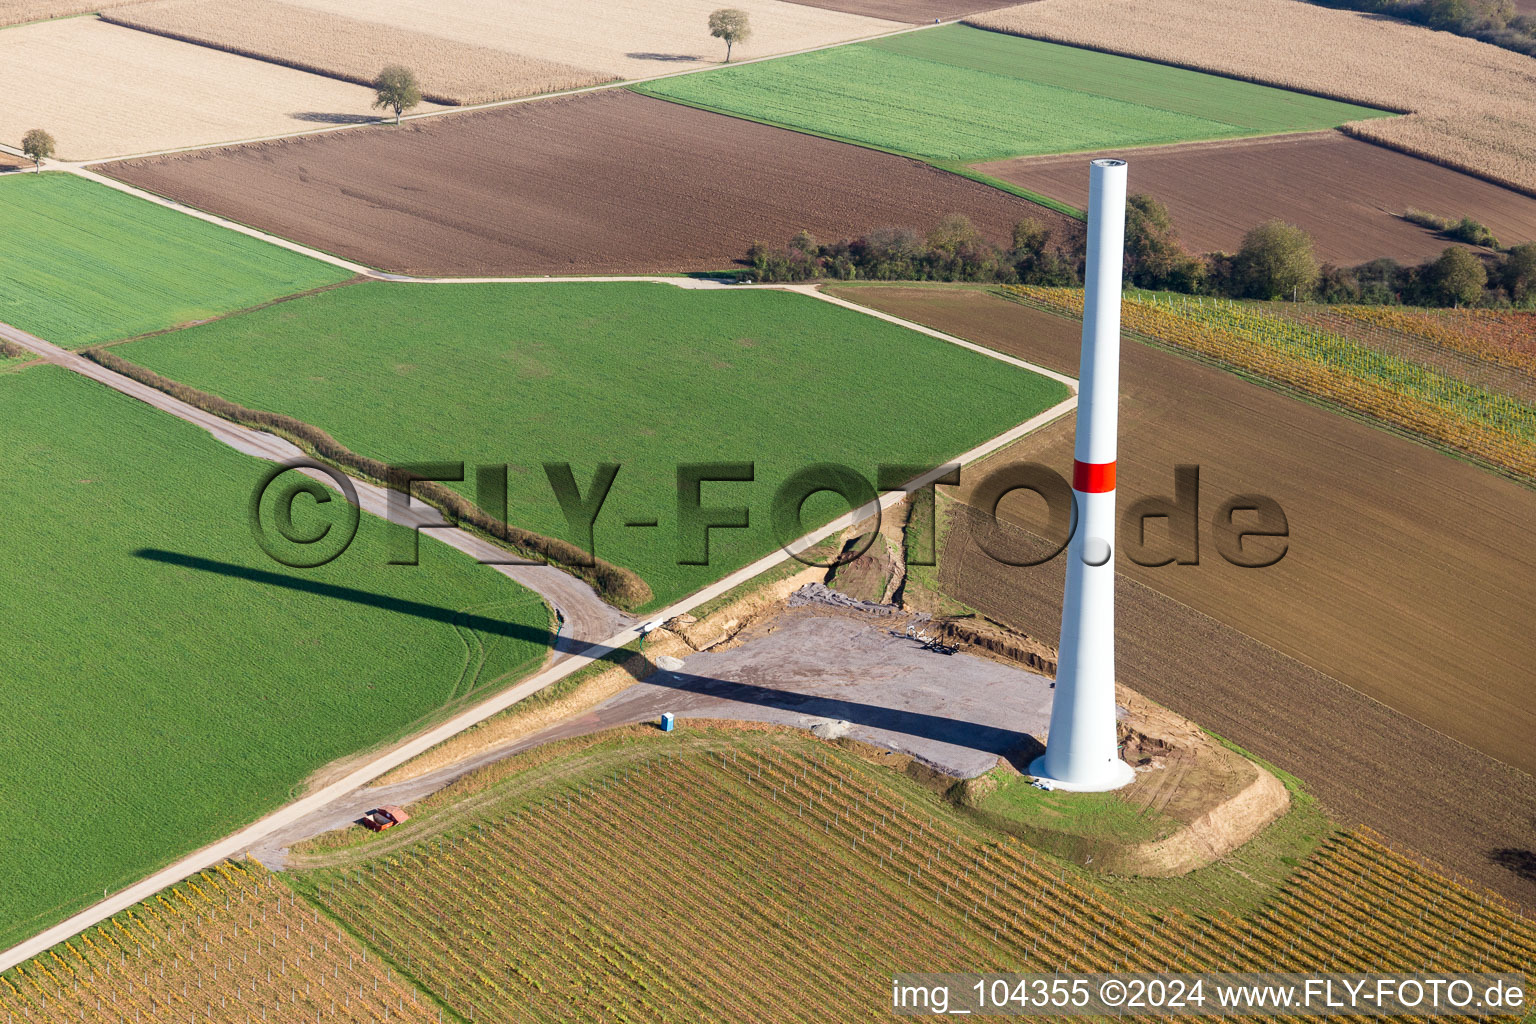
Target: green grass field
646,375
85,264
964,94
164,681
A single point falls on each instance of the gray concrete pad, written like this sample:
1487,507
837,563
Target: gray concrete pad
957,712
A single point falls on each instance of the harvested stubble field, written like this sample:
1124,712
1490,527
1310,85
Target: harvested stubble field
1348,194
918,12
643,186
99,265
17,12
645,375
104,90
835,873
1473,105
957,93
165,681
450,71
629,40
1440,641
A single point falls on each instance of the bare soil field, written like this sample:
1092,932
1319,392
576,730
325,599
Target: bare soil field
12,163
1348,194
607,182
104,90
17,12
629,40
1396,583
918,12
1378,524
1473,104
450,71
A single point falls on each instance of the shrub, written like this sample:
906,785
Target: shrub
1517,273
953,251
1424,219
1470,231
1381,281
1464,230
1154,257
1275,260
1456,278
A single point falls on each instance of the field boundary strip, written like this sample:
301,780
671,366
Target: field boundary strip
262,445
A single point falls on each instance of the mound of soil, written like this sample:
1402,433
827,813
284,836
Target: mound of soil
1198,800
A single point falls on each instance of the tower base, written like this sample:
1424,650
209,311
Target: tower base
1113,775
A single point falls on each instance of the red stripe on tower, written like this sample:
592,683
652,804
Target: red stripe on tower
1093,477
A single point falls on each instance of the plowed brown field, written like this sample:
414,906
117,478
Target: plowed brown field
602,183
1347,193
1407,578
914,11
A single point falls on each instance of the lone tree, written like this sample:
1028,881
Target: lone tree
732,25
1276,259
38,145
396,89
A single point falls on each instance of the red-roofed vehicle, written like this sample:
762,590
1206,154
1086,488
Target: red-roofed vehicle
381,818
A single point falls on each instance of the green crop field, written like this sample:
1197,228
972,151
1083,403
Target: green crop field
84,263
964,94
645,375
164,681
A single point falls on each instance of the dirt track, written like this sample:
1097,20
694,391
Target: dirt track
1409,578
1345,192
604,183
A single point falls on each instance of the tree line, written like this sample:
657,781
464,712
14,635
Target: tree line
1275,260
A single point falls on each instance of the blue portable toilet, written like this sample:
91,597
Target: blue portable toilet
666,721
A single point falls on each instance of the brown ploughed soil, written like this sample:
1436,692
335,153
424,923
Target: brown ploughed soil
1348,194
1409,577
915,11
602,183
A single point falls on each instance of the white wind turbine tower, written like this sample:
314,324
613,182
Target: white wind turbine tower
1082,750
